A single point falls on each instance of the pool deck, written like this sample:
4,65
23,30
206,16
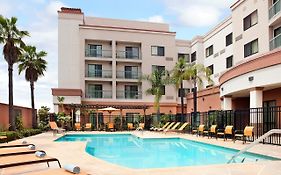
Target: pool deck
74,153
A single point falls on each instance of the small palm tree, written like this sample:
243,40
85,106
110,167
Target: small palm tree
196,73
11,37
158,80
60,100
178,75
34,65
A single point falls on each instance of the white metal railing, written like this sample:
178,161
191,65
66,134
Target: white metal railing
260,139
274,9
275,42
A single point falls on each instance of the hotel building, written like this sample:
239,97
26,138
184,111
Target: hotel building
100,60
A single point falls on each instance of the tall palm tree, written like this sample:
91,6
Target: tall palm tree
34,65
158,80
11,37
178,75
196,73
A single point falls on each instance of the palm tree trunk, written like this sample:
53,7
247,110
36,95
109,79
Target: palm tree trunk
32,104
182,104
12,126
194,100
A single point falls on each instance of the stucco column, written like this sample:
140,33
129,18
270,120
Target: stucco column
114,69
227,103
256,97
256,113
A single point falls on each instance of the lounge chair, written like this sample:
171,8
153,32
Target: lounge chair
16,151
211,132
25,159
130,126
88,126
155,128
15,145
199,130
110,127
3,137
183,126
248,132
228,131
141,127
78,127
55,128
60,171
173,128
168,127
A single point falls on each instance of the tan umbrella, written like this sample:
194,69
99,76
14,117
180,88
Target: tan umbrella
109,110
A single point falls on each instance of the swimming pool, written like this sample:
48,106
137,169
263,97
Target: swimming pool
133,152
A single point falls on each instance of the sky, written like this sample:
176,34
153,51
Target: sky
187,18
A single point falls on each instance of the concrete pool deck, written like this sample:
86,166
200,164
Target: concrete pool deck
74,153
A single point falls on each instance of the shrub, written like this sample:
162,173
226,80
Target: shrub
13,135
19,122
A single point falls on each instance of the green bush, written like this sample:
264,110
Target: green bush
13,135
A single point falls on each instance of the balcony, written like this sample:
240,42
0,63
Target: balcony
99,74
98,53
129,95
275,42
128,74
274,9
133,55
98,94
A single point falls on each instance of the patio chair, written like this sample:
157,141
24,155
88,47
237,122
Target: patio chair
78,127
211,132
25,159
228,131
183,126
16,151
168,127
173,128
55,128
130,126
57,171
248,132
199,130
88,126
141,127
14,145
3,137
155,128
110,127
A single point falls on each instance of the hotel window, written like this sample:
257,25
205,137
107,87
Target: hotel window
132,52
157,51
159,68
184,56
184,91
193,56
277,32
211,68
94,50
250,20
209,51
251,48
95,91
94,70
228,39
131,91
131,72
229,62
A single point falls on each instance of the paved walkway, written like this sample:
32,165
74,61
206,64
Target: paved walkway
74,153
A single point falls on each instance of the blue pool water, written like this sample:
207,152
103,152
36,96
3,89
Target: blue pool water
133,152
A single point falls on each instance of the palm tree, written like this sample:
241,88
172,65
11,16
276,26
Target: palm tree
196,73
11,37
178,75
34,65
60,100
158,80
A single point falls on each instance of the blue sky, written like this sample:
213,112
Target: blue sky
186,17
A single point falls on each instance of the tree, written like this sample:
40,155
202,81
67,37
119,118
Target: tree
158,80
34,65
43,115
196,73
11,37
60,100
178,75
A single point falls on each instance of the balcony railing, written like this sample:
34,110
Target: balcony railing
98,53
128,55
129,95
99,74
274,9
128,74
99,94
275,42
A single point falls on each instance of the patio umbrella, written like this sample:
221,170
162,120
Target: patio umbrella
109,110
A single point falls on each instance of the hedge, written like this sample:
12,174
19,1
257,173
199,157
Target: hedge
13,135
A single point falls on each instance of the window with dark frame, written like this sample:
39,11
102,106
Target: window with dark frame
250,20
251,48
211,68
184,56
229,62
185,91
209,51
193,56
157,51
229,39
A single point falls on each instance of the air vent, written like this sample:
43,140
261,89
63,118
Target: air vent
216,55
169,59
239,37
169,97
222,51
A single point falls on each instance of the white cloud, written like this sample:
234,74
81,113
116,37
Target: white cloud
156,18
53,7
198,13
